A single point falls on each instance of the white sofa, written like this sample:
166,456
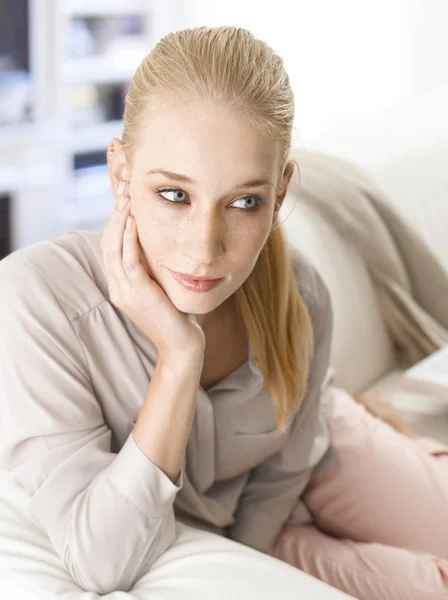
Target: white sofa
405,149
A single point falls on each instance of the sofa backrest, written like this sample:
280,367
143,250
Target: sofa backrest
362,350
405,150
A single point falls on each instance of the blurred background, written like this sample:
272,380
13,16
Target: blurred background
65,67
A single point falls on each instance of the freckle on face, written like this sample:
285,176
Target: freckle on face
219,148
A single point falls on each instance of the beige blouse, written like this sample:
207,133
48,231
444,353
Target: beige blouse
74,371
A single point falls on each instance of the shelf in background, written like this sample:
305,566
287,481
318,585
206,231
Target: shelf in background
87,8
97,69
94,137
32,131
82,58
12,180
91,199
91,182
74,217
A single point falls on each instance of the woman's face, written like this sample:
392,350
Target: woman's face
214,225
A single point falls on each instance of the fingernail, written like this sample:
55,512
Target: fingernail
129,222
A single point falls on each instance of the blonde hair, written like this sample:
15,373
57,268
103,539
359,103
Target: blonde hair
230,66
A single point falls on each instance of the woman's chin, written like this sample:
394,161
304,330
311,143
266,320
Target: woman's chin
192,302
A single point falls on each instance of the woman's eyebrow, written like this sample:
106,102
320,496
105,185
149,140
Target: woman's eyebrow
184,178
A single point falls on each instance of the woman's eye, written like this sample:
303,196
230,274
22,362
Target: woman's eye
253,201
179,196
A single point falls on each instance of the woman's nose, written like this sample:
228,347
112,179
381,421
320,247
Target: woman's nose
204,239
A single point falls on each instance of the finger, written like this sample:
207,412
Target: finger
132,263
114,247
115,217
131,255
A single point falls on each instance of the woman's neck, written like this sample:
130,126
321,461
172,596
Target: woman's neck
220,317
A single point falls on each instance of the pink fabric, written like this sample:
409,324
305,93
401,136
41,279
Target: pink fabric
380,528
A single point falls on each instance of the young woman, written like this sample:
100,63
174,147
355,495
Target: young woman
136,394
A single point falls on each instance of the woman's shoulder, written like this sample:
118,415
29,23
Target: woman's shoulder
69,267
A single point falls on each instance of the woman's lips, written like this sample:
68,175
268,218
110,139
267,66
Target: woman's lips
196,285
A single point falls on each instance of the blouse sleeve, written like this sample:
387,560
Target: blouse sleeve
108,515
275,486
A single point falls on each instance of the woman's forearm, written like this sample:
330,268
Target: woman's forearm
163,426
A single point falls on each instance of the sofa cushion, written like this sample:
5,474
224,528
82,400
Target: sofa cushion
199,565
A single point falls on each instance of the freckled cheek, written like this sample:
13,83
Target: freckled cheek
249,236
150,219
157,238
244,245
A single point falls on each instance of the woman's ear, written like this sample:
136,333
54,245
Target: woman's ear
287,174
116,164
286,178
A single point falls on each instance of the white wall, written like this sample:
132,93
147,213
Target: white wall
428,45
345,59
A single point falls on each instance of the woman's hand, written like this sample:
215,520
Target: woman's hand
140,297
